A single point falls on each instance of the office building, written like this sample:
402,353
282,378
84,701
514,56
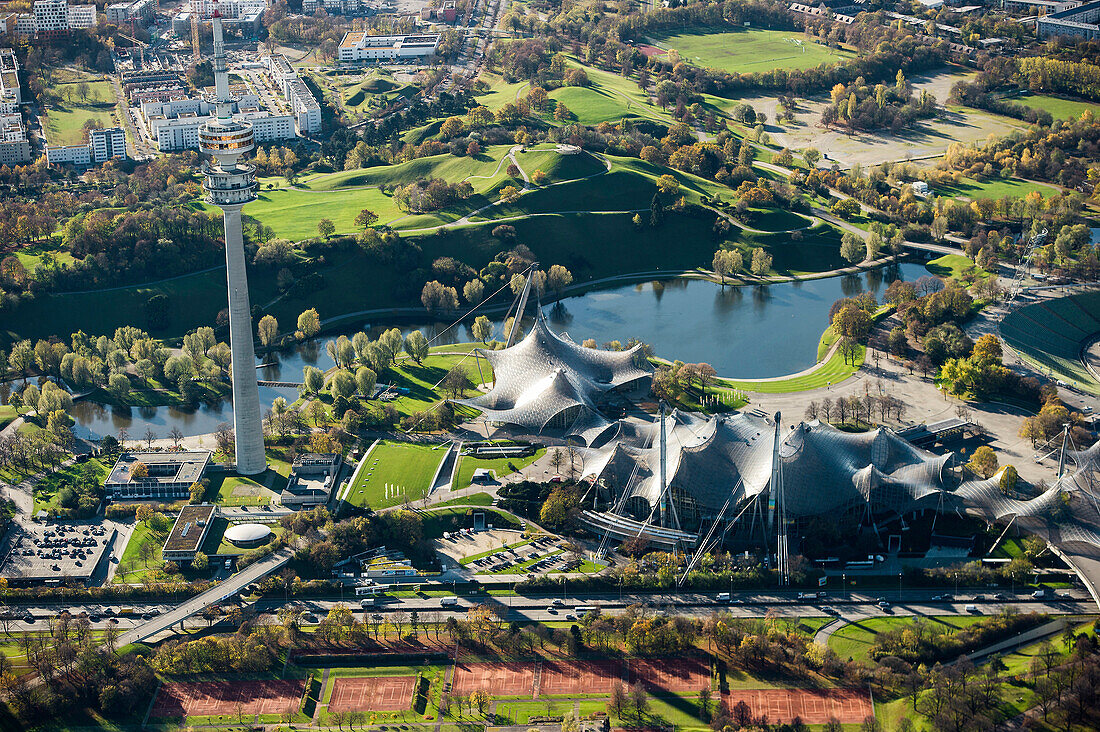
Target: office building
358,46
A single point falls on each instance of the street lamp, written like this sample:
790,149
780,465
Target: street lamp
844,581
899,586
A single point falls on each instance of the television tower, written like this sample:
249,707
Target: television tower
229,185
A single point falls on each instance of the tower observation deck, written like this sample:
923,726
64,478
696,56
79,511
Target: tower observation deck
230,184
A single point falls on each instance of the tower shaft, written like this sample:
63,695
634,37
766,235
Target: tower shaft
229,185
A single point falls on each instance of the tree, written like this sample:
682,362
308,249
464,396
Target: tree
851,247
558,278
267,329
811,156
200,562
139,470
452,127
366,218
416,346
509,194
482,329
984,461
474,291
326,228
668,185
365,381
618,698
313,379
639,699
436,296
761,262
727,262
309,324
456,382
480,699
175,435
852,321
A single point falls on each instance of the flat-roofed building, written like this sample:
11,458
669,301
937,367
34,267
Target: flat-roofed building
188,533
1082,22
312,477
170,474
358,46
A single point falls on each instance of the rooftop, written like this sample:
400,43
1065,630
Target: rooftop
164,467
189,529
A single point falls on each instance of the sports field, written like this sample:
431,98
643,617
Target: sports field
750,50
396,472
374,693
211,698
500,467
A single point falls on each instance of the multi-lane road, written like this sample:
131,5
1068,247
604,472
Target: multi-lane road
163,617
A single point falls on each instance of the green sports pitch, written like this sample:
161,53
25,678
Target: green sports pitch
750,50
395,472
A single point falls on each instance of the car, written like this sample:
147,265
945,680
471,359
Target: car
94,618
309,618
999,596
883,604
28,619
147,616
570,616
978,598
552,609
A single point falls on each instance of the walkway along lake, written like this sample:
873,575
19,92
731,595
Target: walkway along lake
743,332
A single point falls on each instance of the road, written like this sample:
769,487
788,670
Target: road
230,587
540,608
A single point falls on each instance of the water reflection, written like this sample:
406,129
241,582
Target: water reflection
748,332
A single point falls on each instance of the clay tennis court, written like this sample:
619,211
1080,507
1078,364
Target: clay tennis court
812,706
648,50
499,679
675,675
579,677
213,698
372,693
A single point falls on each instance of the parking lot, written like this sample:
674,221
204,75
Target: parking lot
56,551
506,552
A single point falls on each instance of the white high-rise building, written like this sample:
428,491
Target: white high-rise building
230,184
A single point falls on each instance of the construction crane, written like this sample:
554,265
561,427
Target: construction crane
195,50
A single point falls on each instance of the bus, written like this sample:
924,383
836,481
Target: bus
368,590
582,610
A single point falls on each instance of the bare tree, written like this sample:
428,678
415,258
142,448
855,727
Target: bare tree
176,435
150,436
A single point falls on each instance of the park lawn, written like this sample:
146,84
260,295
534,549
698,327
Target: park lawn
65,119
7,415
855,640
294,213
500,467
473,499
559,167
421,379
635,101
237,490
499,92
1019,661
31,256
592,105
953,266
446,166
1059,107
398,472
776,219
746,51
45,491
132,568
994,188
